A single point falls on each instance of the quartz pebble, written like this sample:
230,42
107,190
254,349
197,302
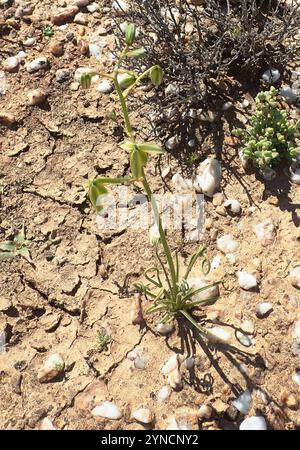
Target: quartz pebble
46,424
288,93
163,394
62,75
64,15
165,328
143,415
227,244
262,309
81,19
295,276
209,292
295,176
246,280
37,64
29,42
53,366
233,206
244,339
247,326
296,377
176,425
82,3
218,335
36,97
243,402
189,363
271,76
254,423
209,177
170,365
265,230
105,87
120,7
108,410
205,412
175,379
11,64
172,143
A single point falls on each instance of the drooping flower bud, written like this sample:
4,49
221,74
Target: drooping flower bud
130,34
156,75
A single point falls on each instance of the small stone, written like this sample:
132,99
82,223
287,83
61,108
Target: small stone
93,7
56,48
218,335
218,199
296,329
11,64
37,64
246,280
247,326
209,177
5,304
233,206
189,363
64,15
82,70
165,328
120,7
108,410
206,294
244,339
24,10
295,176
294,277
46,424
136,310
288,399
295,347
83,47
81,19
221,211
205,412
254,423
143,415
105,87
52,367
289,94
265,230
7,119
62,75
271,76
243,402
95,51
36,97
175,379
296,377
262,309
170,365
226,244
82,3
163,394
172,143
29,42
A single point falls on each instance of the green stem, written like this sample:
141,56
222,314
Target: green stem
139,78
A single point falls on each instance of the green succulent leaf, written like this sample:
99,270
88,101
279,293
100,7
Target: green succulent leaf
5,256
8,246
151,148
137,53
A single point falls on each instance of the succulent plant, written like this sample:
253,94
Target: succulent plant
272,135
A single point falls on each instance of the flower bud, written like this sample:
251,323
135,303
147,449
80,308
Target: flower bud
130,34
125,80
156,75
96,190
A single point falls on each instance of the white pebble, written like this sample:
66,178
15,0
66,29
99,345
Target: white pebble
262,309
175,379
163,394
143,415
206,294
46,424
95,51
29,42
105,87
172,143
209,177
296,330
36,97
295,176
233,205
295,276
170,365
205,412
218,335
108,410
177,425
244,339
243,402
296,377
51,368
172,88
227,244
271,76
11,64
121,7
248,326
254,423
288,93
246,280
165,328
37,64
264,230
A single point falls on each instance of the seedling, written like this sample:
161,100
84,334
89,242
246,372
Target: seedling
271,136
103,339
48,31
16,247
170,292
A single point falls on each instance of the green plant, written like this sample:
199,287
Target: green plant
48,31
16,247
170,293
103,339
271,136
